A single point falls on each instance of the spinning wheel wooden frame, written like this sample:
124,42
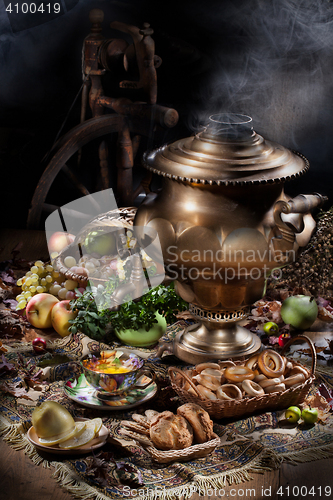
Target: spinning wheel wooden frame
129,120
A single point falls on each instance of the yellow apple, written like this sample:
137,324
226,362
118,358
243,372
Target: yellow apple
38,310
58,241
60,316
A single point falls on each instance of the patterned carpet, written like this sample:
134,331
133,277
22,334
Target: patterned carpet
123,469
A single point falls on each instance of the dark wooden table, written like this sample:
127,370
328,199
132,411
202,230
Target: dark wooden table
20,479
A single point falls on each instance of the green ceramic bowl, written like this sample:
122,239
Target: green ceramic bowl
142,337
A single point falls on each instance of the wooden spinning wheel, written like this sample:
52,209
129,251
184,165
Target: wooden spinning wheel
129,121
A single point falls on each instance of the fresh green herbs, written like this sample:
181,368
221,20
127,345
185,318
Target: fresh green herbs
94,318
89,319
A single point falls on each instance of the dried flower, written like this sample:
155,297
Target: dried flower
313,270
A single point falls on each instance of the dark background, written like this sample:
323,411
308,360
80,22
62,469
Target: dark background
272,60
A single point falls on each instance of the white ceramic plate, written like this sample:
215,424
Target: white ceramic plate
94,444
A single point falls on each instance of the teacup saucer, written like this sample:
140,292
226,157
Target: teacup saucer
80,391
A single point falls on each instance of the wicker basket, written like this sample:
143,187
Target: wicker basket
190,453
250,405
121,217
169,456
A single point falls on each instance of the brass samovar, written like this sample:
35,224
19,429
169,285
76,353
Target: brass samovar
225,225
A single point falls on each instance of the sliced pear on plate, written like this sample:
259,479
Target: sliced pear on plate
75,442
78,429
95,423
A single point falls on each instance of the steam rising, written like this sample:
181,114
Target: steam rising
273,61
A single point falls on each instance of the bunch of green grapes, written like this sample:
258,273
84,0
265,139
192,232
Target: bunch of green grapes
39,279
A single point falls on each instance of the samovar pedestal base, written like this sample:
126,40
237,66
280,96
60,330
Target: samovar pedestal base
207,341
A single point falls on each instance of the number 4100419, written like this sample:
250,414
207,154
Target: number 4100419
32,8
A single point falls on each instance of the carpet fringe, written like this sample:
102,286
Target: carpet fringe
14,436
308,455
267,460
74,485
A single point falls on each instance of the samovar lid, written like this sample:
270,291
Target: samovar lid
227,151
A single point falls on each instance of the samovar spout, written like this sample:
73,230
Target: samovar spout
294,223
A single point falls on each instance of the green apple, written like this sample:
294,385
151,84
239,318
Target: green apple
271,328
310,415
299,311
101,243
293,414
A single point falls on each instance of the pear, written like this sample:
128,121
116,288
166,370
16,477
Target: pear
52,419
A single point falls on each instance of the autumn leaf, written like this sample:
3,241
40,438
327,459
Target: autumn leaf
5,366
11,304
10,323
99,469
129,474
309,352
322,406
33,379
15,389
2,347
7,278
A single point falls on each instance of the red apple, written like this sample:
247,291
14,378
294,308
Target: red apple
39,309
59,240
284,339
39,345
61,314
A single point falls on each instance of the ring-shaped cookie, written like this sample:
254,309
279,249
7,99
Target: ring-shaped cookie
229,392
288,366
275,388
217,374
297,378
205,393
252,388
299,369
207,381
238,373
252,362
269,381
203,366
227,362
269,356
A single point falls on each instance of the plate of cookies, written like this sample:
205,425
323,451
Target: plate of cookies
173,437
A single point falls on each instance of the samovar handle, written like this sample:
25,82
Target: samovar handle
301,204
